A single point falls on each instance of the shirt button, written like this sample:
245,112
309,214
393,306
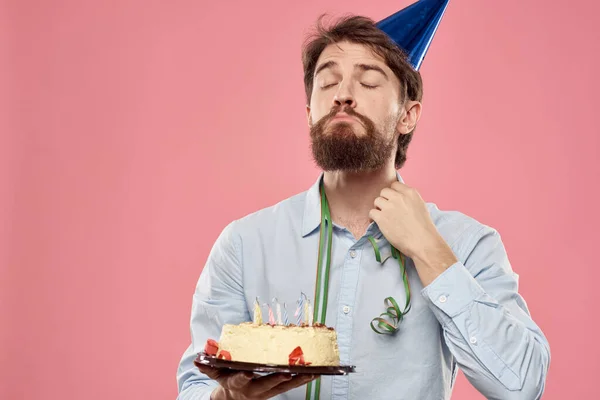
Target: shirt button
473,340
346,309
352,253
443,299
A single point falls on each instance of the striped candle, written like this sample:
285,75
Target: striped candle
258,320
298,313
278,308
271,317
285,316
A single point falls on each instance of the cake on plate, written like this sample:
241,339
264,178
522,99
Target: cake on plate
311,345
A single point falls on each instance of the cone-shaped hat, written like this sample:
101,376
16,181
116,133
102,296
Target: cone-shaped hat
413,27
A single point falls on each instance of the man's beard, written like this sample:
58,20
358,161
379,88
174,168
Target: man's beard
336,147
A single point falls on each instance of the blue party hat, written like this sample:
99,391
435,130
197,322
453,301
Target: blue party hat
413,27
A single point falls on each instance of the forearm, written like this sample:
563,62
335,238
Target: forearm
500,350
198,392
433,259
193,385
218,299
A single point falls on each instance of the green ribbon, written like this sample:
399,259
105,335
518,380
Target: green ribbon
387,322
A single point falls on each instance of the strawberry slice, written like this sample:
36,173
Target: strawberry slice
296,357
211,347
224,355
297,352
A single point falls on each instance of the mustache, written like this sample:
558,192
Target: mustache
318,129
348,110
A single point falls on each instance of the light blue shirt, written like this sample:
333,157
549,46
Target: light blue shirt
471,316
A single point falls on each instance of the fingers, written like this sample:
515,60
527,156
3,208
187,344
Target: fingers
380,203
266,383
239,381
251,386
212,373
374,214
295,382
229,379
400,187
388,193
397,193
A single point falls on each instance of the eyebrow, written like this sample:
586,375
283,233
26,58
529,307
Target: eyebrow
362,67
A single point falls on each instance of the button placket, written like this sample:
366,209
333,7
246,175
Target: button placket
345,320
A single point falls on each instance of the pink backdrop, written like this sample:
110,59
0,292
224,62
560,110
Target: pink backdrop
137,130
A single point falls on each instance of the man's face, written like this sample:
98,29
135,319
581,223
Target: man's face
354,110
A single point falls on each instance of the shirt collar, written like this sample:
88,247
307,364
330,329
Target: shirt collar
312,206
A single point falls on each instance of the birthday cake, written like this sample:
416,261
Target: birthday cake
277,344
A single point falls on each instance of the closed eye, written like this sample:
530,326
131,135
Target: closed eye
362,84
368,86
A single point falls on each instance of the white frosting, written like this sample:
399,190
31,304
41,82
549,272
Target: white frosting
266,344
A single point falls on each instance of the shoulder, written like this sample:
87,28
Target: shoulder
461,231
288,211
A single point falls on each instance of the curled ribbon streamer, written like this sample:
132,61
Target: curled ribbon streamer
389,321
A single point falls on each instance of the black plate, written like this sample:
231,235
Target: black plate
215,362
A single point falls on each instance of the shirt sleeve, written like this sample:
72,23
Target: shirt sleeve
486,323
218,299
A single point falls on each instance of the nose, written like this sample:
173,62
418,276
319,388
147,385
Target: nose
344,97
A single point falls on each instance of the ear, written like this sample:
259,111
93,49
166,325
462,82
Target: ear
308,115
410,117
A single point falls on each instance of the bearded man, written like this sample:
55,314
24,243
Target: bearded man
458,303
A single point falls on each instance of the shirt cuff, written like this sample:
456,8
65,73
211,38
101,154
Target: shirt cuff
200,392
453,291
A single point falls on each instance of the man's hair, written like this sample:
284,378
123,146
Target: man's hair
363,30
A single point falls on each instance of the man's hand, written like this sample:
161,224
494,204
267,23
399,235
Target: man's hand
248,386
404,220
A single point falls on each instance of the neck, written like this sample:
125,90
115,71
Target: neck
351,194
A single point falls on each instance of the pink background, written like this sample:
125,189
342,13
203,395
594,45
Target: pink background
133,132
